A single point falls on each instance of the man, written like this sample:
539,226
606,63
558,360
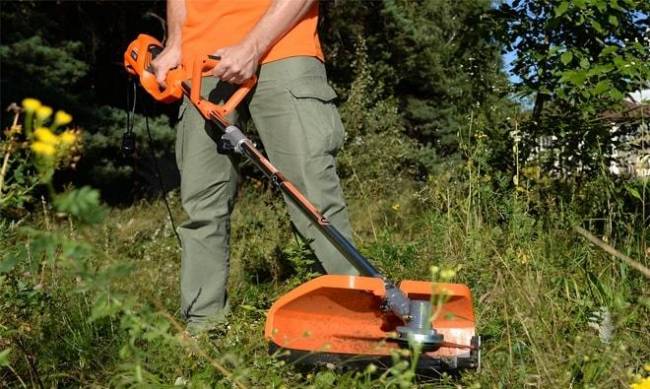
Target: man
293,111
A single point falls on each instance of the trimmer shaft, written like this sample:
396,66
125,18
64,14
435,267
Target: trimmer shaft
418,330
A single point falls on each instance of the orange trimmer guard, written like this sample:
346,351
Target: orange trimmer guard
339,320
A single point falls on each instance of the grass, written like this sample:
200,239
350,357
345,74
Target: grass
537,288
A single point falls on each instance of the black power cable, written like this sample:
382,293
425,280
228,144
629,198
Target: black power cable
160,180
128,138
128,148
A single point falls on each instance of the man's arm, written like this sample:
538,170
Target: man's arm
170,57
239,62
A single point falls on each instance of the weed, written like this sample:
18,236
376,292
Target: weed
90,298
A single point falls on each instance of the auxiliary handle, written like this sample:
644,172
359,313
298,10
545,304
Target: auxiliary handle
203,66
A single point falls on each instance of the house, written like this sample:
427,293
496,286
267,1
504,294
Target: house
632,156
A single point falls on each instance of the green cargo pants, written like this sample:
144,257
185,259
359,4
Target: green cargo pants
293,110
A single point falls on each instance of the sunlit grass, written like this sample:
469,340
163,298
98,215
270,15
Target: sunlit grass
533,299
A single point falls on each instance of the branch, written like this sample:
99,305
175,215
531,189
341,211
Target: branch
611,250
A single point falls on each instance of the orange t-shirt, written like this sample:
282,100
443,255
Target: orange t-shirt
213,24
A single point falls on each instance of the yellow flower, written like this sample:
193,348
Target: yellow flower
62,118
31,105
43,112
643,383
44,149
68,137
46,136
395,207
523,257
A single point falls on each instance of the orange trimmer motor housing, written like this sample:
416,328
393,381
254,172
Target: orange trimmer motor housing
336,319
137,61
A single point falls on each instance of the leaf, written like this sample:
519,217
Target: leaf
561,9
104,306
601,5
597,26
633,192
82,204
600,69
620,62
616,94
613,20
4,357
576,77
602,86
584,62
608,50
8,264
566,57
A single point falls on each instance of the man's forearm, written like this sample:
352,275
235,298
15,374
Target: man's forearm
281,16
176,13
171,55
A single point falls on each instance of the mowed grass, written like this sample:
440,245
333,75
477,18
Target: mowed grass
539,296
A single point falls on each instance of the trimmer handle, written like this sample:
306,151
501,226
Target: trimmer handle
137,61
203,66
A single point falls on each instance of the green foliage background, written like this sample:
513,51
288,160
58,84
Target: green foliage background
444,164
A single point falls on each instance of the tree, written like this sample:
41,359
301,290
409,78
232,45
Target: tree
577,58
436,57
70,54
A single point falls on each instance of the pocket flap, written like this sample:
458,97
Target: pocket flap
312,87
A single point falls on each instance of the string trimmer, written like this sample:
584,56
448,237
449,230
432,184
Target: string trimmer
336,319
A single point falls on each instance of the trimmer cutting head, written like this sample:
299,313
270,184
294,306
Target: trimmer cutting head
419,331
341,320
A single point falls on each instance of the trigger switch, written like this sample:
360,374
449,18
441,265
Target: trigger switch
155,50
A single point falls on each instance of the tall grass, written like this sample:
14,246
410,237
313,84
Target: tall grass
97,305
538,291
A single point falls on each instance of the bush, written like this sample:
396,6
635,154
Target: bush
122,178
377,151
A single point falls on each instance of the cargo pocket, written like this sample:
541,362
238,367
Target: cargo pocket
314,102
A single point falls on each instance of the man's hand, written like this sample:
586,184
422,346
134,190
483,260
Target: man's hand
238,62
168,59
